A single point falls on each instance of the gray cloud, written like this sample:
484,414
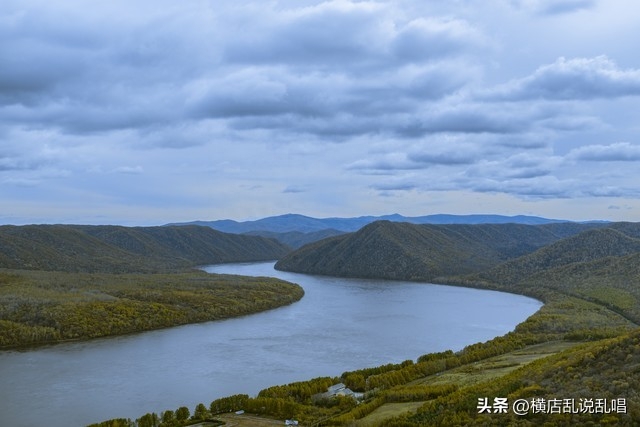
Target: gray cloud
348,35
303,70
565,6
554,7
546,187
323,34
391,186
522,166
467,118
197,103
22,155
426,39
572,79
385,165
618,152
293,189
459,154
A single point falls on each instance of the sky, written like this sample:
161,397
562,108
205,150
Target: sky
150,112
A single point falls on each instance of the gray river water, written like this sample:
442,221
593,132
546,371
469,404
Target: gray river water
339,325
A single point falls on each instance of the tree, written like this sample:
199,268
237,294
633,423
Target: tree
168,416
201,412
148,420
182,413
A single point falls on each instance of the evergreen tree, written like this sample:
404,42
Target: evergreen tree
182,413
201,412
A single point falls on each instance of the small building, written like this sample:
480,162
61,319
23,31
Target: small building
291,422
338,390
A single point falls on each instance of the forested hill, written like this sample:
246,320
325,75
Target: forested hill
599,266
78,248
392,250
585,247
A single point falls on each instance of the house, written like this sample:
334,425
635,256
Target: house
338,390
291,423
335,389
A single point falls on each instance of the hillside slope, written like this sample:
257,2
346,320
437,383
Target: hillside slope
595,372
297,239
406,251
584,247
599,266
77,248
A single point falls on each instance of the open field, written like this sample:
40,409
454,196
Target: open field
247,420
494,367
467,375
388,410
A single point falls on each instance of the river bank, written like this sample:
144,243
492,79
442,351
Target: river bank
43,307
339,325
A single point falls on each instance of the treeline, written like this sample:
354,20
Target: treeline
42,307
169,418
281,408
358,380
300,392
267,406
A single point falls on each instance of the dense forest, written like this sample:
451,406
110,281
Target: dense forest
38,307
116,249
574,362
403,251
62,282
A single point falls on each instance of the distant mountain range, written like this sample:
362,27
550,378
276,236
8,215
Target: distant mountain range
297,230
305,224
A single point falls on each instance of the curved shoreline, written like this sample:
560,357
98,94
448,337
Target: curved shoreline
497,345
85,306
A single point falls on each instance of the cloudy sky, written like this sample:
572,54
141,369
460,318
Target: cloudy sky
148,112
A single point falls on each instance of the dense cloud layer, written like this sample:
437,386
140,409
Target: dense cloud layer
164,111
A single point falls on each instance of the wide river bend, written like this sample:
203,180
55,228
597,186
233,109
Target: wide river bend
339,325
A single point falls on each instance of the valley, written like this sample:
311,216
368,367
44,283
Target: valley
582,344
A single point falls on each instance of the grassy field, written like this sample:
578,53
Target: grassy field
388,410
494,367
246,420
467,375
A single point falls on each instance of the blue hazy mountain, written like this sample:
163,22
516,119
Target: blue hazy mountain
304,224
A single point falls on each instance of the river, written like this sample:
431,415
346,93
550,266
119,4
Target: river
339,325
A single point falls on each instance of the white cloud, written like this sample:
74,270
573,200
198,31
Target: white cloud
618,152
